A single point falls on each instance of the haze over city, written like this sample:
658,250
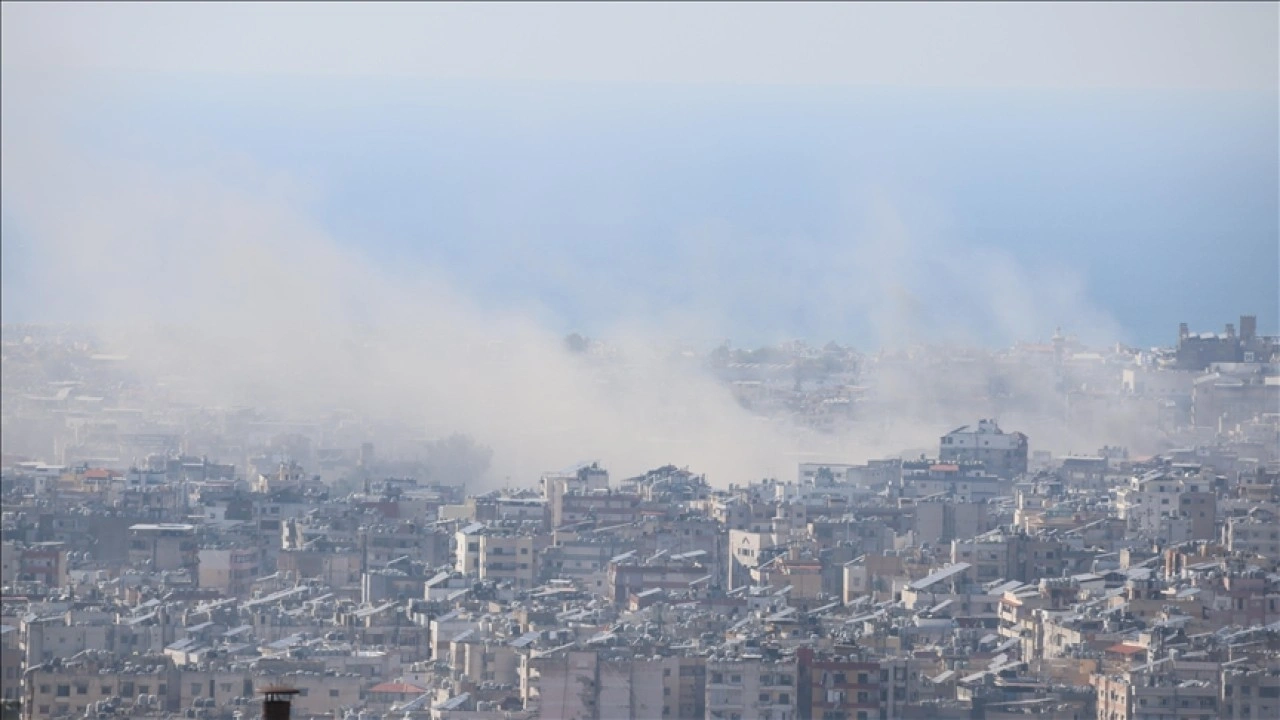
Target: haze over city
358,253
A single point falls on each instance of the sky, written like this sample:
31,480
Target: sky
293,179
1112,165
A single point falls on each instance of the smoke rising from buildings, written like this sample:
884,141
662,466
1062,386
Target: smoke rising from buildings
215,270
219,283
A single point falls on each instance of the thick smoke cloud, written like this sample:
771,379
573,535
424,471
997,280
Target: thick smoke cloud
212,273
215,278
238,299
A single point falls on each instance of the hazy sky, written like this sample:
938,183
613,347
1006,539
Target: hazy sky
403,208
1038,45
753,171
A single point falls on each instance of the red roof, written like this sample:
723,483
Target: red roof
1126,649
945,468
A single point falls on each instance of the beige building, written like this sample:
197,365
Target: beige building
71,689
584,685
502,553
319,694
747,551
752,688
1249,691
337,568
1257,533
1174,507
164,546
583,480
229,570
510,557
1167,690
484,662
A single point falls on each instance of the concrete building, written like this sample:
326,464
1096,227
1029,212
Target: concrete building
164,546
43,562
510,556
229,570
1165,691
967,483
581,480
832,685
1232,394
584,685
752,688
1249,690
1197,351
1170,505
1002,454
941,522
1257,533
90,677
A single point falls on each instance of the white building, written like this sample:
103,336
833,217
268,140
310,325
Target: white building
1160,505
1003,454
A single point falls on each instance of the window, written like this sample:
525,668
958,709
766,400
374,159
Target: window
333,692
82,689
764,697
862,678
106,690
195,688
64,690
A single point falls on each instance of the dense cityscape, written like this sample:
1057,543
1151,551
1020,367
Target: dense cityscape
168,559
640,361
